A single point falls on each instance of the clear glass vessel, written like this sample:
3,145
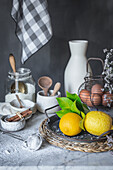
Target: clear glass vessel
21,83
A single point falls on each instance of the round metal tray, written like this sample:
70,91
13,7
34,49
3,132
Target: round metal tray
83,142
84,136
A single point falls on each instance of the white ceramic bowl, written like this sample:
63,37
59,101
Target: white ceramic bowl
26,103
45,102
12,126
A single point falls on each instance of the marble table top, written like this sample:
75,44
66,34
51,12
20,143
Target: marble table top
13,153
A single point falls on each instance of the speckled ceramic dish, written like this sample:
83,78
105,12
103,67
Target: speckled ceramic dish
12,126
26,105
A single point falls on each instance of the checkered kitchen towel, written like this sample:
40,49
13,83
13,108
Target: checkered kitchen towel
33,25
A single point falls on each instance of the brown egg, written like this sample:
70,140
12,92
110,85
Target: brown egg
84,94
107,99
88,101
97,88
94,100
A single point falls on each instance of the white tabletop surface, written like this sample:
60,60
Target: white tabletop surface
13,154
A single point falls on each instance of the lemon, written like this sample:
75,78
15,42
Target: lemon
97,122
112,127
69,124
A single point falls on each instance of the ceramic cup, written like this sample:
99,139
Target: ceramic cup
45,102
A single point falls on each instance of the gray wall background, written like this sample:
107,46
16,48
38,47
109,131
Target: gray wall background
71,19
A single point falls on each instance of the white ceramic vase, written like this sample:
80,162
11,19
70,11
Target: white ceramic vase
76,68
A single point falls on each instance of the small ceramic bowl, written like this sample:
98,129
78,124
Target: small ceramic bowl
26,103
45,102
12,126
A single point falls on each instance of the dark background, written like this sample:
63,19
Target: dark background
71,19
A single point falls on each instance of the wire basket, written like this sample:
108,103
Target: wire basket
92,91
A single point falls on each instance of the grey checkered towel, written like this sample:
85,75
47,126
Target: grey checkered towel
33,25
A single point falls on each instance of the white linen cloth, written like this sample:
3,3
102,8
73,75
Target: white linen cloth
6,109
33,26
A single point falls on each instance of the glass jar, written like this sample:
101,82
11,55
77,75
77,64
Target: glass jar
21,83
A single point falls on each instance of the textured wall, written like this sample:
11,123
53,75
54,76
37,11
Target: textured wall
71,19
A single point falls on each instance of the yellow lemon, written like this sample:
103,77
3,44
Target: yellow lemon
69,124
97,122
112,127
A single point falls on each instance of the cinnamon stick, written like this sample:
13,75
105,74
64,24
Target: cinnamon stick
16,116
24,115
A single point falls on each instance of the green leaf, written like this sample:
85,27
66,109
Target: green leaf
86,109
83,115
81,124
80,105
73,97
64,102
84,105
62,113
74,108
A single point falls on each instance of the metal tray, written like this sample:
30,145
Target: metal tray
85,137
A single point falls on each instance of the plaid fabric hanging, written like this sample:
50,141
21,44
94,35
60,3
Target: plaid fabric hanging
33,26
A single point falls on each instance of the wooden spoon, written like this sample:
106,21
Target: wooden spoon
56,88
45,83
17,86
21,106
12,62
